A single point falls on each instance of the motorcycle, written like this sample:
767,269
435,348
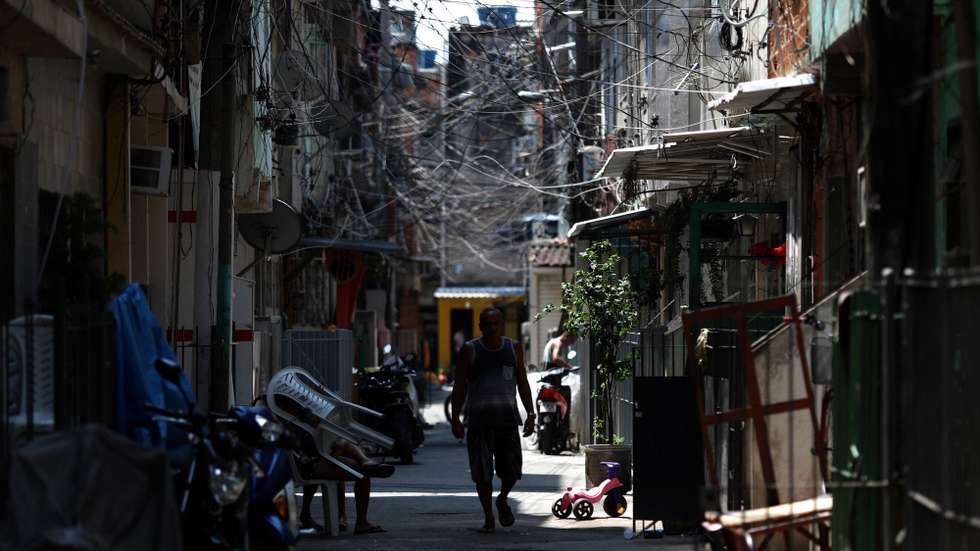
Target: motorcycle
271,505
233,478
391,390
553,405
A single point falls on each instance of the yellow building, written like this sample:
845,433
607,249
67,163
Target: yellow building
459,313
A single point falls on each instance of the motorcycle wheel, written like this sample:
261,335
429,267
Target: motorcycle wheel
614,505
447,407
546,435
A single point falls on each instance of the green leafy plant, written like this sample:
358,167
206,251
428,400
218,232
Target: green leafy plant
600,304
76,252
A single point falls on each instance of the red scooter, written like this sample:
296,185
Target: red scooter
553,404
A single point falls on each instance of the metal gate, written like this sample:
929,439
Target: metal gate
325,354
932,421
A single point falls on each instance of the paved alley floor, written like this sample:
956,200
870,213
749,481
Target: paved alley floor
432,505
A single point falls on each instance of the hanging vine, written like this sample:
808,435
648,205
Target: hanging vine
675,220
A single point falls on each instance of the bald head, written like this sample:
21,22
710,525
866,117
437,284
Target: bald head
490,311
491,323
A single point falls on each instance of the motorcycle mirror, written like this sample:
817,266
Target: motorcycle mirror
572,354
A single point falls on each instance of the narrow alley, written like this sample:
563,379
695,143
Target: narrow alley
432,505
714,264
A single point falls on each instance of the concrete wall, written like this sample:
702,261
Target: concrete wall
829,20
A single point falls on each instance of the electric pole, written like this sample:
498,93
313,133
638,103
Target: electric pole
221,369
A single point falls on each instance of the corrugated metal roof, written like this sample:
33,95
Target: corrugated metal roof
773,95
556,252
689,155
479,292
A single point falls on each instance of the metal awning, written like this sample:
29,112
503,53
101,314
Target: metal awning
362,245
585,227
689,155
769,96
479,292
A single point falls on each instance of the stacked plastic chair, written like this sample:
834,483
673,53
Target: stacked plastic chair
335,421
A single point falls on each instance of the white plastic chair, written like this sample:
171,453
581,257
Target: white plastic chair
334,412
331,511
335,422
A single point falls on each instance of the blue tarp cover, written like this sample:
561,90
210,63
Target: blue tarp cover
140,344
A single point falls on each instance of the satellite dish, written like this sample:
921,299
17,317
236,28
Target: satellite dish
272,232
298,74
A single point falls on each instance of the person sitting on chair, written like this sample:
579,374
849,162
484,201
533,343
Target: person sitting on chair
313,466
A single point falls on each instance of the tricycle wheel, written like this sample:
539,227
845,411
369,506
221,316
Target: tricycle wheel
582,509
614,505
558,511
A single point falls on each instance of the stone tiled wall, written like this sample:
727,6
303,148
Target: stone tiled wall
49,108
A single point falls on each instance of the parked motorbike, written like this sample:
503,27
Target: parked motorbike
233,476
271,504
553,405
391,390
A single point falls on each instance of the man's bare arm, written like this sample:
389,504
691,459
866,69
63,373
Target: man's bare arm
523,387
556,356
462,380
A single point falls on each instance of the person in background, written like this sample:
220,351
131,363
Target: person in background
556,350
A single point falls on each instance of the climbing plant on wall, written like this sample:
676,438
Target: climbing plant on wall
675,220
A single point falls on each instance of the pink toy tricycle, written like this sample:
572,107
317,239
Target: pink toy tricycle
580,501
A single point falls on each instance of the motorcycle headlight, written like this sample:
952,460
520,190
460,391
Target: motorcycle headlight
226,483
271,431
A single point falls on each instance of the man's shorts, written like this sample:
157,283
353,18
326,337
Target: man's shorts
489,445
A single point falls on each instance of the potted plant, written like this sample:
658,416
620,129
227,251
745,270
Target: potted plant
599,303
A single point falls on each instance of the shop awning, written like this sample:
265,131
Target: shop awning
362,245
769,96
479,292
689,155
587,228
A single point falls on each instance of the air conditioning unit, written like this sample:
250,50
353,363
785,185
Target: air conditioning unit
604,13
149,169
24,365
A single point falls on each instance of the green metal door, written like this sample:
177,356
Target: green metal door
856,424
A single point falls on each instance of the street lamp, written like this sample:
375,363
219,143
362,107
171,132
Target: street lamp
745,223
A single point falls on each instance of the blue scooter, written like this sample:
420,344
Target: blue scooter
271,505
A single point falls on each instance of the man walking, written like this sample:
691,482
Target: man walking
490,373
